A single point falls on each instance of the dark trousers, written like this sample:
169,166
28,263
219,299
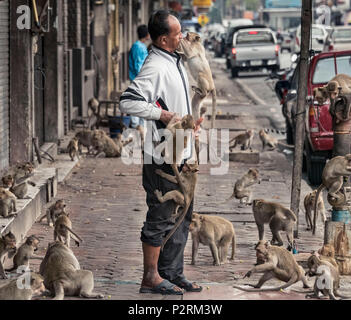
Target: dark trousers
158,224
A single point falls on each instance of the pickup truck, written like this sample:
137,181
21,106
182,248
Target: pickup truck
253,49
318,145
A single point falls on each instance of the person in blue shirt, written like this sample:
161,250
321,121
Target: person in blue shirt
137,56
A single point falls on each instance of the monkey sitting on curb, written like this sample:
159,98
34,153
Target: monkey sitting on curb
241,187
7,247
192,51
215,232
243,139
25,252
73,149
268,140
11,290
278,263
54,211
309,201
278,217
63,276
327,281
63,230
17,180
7,203
332,179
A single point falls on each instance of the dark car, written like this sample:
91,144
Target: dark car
219,44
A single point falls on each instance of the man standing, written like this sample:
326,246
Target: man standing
160,90
137,56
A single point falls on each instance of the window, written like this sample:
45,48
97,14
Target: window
254,37
343,64
324,71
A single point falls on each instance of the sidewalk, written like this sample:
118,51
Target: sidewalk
107,207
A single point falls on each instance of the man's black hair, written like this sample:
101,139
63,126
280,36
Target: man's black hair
158,24
142,31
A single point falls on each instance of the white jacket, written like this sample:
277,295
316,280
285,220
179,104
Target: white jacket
161,83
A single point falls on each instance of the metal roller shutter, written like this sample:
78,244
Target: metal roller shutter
4,84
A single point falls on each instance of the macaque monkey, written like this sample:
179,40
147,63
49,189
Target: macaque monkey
327,275
341,83
278,263
327,252
272,142
54,211
16,180
186,123
73,149
85,137
192,51
308,202
332,179
243,139
11,290
25,252
216,232
241,187
106,145
63,230
7,203
182,197
342,243
63,276
7,245
278,217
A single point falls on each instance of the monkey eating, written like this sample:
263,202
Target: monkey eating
216,232
11,290
278,263
73,149
63,230
327,281
332,179
25,252
192,51
241,187
63,276
7,245
243,139
278,217
54,211
309,201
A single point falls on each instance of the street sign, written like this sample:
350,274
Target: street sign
202,19
202,3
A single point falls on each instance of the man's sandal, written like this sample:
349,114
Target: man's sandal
165,287
187,285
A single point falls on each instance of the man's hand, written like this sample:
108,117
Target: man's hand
197,126
166,116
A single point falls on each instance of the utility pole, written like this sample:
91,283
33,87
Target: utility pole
306,20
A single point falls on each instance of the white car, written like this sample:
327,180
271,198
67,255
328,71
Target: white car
341,38
320,38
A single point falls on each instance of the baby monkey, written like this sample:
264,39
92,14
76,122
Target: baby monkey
54,211
73,148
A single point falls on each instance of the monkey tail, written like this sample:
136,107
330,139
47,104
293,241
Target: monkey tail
290,146
233,247
72,232
214,107
284,286
320,188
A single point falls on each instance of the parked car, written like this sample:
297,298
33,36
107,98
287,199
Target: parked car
341,38
320,41
318,145
219,44
254,48
286,41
